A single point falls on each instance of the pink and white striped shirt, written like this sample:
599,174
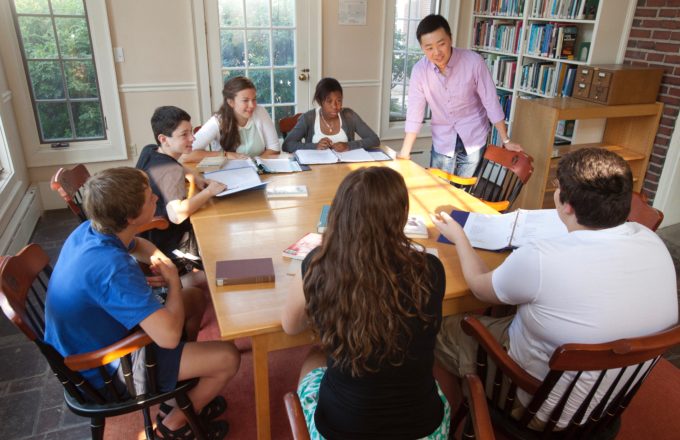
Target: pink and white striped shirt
463,100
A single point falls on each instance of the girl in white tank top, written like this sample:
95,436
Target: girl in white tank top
340,136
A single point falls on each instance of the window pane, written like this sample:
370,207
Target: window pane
87,117
258,48
280,113
233,51
283,12
413,43
400,30
228,74
54,121
38,37
231,12
31,6
284,86
68,7
74,37
47,79
262,81
420,8
399,72
269,110
257,13
82,81
284,47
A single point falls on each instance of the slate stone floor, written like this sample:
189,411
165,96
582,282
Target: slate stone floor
31,398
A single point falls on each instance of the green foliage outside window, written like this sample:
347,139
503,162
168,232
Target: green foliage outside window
58,55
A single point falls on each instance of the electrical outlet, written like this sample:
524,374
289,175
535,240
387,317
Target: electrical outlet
133,150
118,54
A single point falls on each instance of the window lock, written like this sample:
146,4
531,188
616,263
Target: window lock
59,145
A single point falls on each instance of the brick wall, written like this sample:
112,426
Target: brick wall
655,42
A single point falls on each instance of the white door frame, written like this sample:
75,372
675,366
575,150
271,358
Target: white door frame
667,197
309,34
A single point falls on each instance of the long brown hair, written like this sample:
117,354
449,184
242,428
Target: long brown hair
366,281
229,136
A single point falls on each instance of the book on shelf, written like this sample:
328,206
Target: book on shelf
415,227
285,191
569,78
314,157
302,247
323,219
237,179
246,271
568,46
499,232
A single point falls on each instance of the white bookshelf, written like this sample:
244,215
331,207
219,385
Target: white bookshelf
607,33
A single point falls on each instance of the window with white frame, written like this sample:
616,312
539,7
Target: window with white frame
257,40
56,48
59,66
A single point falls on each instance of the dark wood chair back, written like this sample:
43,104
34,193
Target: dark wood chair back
641,212
69,184
298,426
619,366
24,279
501,176
288,123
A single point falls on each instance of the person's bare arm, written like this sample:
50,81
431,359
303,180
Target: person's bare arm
270,153
407,146
503,132
165,325
476,272
294,317
180,210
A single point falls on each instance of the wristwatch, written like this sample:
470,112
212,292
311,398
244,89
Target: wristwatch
506,141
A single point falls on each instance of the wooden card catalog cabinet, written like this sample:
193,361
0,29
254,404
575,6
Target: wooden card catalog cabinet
614,84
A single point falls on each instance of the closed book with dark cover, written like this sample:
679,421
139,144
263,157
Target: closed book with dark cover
251,271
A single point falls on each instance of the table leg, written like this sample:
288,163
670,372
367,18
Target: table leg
261,378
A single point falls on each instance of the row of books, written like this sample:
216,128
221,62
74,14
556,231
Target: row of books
511,8
500,35
505,98
548,79
502,68
569,9
553,40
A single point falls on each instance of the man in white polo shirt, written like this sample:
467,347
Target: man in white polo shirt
606,279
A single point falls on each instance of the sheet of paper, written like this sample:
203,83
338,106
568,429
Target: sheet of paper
489,231
537,224
233,164
358,155
279,165
238,179
311,157
378,155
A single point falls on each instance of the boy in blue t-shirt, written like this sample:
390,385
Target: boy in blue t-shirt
98,293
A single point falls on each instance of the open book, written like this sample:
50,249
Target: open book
508,231
311,157
287,165
236,179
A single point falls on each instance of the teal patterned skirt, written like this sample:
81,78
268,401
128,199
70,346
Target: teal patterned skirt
308,391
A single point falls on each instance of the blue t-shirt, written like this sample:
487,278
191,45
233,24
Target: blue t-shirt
96,294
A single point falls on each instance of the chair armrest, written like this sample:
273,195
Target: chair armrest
498,206
106,355
465,181
296,418
510,368
156,223
479,408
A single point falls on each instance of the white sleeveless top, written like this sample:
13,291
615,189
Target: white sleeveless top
340,136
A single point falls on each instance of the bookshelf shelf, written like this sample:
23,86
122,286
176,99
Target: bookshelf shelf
629,132
598,26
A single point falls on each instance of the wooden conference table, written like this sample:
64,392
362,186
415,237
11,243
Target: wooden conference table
248,225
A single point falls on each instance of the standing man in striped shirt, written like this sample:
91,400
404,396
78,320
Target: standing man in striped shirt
459,89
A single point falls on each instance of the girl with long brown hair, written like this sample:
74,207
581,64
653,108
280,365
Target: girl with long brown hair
375,302
240,128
